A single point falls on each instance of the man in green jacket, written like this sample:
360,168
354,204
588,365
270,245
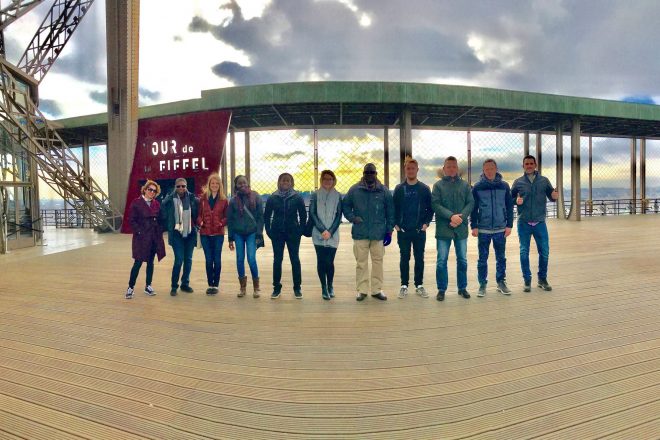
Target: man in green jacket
369,206
452,202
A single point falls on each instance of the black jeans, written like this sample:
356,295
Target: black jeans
292,243
135,271
325,264
416,239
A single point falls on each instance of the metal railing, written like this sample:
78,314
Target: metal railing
65,218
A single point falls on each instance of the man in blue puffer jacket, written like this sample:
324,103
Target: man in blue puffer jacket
492,220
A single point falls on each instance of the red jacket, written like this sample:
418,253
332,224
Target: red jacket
212,221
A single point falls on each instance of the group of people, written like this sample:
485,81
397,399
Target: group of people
375,212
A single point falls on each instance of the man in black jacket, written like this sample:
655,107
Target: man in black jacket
412,216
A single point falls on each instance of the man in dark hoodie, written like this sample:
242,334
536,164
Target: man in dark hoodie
530,192
412,216
492,220
369,206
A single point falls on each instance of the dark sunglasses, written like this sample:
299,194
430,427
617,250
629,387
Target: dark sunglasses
181,186
370,172
153,190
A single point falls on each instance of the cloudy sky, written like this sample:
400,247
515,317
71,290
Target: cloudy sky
593,48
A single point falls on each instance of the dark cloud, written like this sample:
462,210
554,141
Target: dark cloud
588,48
50,108
285,156
99,96
148,95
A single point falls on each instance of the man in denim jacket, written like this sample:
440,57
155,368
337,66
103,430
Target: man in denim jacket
530,193
492,220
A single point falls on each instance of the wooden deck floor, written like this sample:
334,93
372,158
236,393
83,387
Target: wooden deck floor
79,361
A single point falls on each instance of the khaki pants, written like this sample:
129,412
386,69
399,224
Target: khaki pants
361,250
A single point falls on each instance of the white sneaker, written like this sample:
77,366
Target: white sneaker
421,291
129,293
403,292
149,291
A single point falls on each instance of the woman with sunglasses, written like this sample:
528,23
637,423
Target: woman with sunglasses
147,235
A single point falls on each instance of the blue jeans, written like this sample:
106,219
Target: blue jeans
441,276
499,244
540,234
212,245
183,251
249,243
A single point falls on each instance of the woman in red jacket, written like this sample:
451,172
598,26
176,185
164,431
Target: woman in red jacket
147,235
212,220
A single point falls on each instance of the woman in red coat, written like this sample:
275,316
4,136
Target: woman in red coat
212,220
147,235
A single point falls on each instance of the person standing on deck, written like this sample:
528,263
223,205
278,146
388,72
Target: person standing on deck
530,192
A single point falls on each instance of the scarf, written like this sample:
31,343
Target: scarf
182,215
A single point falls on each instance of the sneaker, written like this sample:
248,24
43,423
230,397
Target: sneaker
440,296
528,286
297,293
276,294
187,289
403,291
173,291
380,295
503,288
209,291
421,291
464,293
149,291
360,296
543,284
129,293
482,290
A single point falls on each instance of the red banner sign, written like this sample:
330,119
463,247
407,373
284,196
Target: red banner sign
189,146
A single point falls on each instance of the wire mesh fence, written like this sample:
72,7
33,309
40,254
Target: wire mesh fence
304,153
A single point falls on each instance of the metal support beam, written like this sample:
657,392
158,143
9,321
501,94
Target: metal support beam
526,143
559,153
539,151
633,174
469,156
386,157
405,136
642,174
247,156
223,167
232,160
574,213
590,202
122,39
15,10
316,159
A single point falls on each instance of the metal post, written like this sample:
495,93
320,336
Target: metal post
405,144
590,202
386,157
526,143
574,213
642,174
232,158
223,167
559,153
469,156
633,173
247,155
539,152
316,159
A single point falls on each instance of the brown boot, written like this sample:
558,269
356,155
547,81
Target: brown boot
255,284
243,282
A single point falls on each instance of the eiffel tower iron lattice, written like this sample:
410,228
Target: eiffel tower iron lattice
57,166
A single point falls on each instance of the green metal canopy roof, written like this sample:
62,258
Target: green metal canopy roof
379,104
